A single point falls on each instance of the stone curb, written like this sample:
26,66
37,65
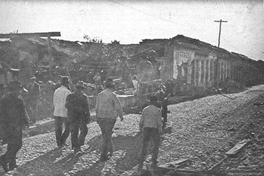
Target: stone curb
45,126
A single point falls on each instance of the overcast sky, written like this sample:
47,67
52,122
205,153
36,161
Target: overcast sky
130,21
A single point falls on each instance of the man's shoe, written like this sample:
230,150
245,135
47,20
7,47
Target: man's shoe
3,163
11,167
154,164
103,159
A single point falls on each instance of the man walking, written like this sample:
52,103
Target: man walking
151,126
79,116
108,108
14,119
61,112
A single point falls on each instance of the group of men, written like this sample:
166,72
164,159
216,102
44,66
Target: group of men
72,114
71,110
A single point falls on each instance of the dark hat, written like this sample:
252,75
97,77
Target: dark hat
80,84
64,80
109,83
153,98
15,85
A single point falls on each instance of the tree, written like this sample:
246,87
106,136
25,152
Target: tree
92,39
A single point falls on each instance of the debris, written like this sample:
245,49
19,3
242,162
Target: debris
237,148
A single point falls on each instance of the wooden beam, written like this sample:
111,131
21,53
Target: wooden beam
39,34
237,148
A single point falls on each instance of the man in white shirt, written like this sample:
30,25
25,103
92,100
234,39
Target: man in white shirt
151,126
60,112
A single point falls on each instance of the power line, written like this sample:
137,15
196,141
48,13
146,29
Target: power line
154,16
220,25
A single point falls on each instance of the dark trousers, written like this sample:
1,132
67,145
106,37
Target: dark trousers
61,137
14,143
106,126
78,124
150,133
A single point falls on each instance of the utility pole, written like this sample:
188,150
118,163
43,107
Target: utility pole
220,21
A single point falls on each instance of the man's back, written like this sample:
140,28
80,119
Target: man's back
59,100
107,104
151,117
77,102
13,111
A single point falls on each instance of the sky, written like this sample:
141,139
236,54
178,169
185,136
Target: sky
132,21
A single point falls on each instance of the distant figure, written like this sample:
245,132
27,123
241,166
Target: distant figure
33,98
151,126
108,108
97,81
144,71
125,72
152,57
135,83
79,116
14,118
60,112
170,85
163,97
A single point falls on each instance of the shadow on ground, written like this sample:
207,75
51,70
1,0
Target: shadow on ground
126,152
60,161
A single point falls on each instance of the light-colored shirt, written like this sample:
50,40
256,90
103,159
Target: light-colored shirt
108,105
59,100
151,117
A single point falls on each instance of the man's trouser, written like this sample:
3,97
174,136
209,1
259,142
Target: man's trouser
150,133
164,111
14,143
61,137
78,124
106,126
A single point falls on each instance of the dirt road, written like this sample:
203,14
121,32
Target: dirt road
201,130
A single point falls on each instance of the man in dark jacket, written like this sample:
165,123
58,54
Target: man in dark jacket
14,118
79,116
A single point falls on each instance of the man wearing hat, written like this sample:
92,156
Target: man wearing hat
151,126
61,112
33,98
107,108
15,119
79,116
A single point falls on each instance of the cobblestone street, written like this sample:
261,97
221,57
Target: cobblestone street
200,130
